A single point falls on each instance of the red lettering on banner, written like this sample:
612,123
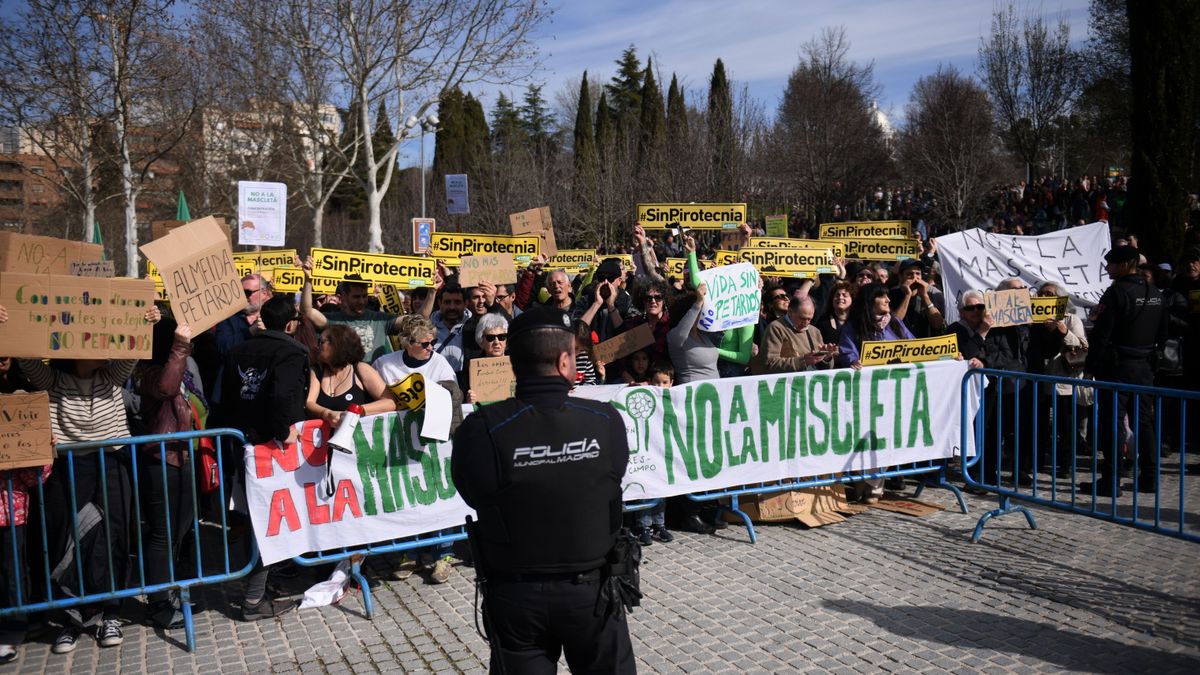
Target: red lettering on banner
318,514
269,454
282,508
346,497
312,432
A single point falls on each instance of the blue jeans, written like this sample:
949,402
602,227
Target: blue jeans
653,516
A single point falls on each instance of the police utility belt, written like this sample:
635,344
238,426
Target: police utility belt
573,577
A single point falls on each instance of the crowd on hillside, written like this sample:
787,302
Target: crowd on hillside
286,359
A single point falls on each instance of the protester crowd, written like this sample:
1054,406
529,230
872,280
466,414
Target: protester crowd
286,359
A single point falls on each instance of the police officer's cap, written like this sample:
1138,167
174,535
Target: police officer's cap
539,316
1122,255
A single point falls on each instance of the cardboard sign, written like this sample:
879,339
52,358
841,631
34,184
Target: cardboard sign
458,200
624,344
43,255
572,260
452,246
677,267
403,271
262,213
1009,308
536,222
492,379
104,269
909,507
161,228
196,265
422,233
1048,308
691,216
497,268
882,352
731,240
733,298
66,317
871,229
789,262
835,248
814,507
881,249
777,226
25,431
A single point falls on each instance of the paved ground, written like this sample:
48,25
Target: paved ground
879,592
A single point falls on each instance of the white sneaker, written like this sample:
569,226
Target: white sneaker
67,641
8,653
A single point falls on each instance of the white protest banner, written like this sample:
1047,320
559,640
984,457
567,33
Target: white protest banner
699,436
1072,258
733,297
457,198
262,213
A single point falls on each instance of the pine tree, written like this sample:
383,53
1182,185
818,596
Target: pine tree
478,143
652,124
625,91
507,131
536,122
585,142
720,134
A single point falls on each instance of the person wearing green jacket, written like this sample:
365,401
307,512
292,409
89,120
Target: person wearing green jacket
736,348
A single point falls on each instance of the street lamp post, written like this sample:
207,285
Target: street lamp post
428,123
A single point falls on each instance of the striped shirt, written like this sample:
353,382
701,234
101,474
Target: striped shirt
83,409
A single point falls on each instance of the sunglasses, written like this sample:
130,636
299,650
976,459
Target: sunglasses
779,296
428,344
654,298
974,308
250,292
865,275
499,337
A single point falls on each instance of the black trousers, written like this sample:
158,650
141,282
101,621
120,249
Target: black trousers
533,623
1145,440
175,494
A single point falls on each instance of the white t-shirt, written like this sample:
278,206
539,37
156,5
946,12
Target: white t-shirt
393,369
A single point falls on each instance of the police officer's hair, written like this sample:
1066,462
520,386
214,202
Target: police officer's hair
535,352
489,321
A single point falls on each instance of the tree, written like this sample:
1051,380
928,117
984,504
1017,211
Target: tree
536,122
720,134
507,129
1165,137
827,149
947,147
1028,69
584,148
625,91
653,139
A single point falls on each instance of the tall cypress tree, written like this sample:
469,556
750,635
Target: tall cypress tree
585,142
653,124
477,138
605,133
720,134
450,140
677,122
506,126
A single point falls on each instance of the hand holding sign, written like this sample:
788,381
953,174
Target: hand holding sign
732,297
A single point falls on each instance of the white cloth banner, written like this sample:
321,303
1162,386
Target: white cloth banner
262,213
978,260
690,438
733,297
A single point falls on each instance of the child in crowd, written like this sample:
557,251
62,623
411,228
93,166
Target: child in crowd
587,371
652,523
637,368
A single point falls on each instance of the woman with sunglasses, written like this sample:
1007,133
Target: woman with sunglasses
491,334
340,378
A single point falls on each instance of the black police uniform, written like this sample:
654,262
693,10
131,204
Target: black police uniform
1130,321
543,473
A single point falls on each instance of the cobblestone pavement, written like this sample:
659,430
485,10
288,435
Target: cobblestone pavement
879,592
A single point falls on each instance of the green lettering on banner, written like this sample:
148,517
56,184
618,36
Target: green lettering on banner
796,420
898,375
737,407
920,411
770,412
445,486
859,442
426,494
875,408
372,468
749,448
672,438
815,447
710,453
840,444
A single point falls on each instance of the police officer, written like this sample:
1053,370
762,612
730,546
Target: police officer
1129,322
543,473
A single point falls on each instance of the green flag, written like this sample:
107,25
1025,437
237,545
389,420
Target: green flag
181,209
97,238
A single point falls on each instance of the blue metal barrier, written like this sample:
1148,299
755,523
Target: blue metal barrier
124,458
1034,443
934,470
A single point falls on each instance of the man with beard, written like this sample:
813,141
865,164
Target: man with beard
450,321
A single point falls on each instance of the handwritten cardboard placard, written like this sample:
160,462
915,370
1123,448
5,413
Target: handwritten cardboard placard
161,228
535,221
1048,308
66,317
25,431
733,297
1009,308
497,268
104,269
43,255
492,378
624,344
198,271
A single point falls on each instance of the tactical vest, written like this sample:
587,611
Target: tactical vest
1136,330
559,504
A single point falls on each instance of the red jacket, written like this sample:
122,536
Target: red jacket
165,408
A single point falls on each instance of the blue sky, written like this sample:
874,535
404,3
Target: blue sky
759,41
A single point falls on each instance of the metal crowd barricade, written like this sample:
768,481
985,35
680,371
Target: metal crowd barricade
935,472
49,592
1072,451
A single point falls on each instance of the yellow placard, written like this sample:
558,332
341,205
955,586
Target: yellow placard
908,351
572,260
837,248
1193,302
389,298
788,262
869,229
721,258
256,261
881,249
625,258
291,280
410,392
677,266
403,271
452,246
691,216
1048,308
